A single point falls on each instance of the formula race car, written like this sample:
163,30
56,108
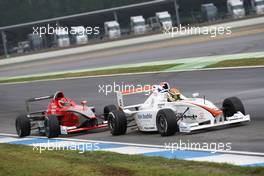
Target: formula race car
63,116
167,111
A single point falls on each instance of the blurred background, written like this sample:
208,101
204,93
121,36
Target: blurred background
115,19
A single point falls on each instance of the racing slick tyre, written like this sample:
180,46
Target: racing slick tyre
166,122
117,122
107,110
52,126
23,127
232,105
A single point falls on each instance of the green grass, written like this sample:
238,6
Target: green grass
238,63
21,160
141,69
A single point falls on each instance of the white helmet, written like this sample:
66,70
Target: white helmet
164,87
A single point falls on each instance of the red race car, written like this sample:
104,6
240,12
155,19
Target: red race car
63,116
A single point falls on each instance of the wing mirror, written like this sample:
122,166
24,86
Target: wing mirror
195,95
84,103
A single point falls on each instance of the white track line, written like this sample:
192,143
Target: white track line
232,159
133,150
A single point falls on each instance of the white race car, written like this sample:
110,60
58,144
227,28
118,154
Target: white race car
167,111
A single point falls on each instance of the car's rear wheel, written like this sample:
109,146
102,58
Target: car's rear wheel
232,105
166,122
107,110
117,122
23,127
52,126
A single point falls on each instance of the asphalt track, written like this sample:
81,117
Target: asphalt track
174,49
247,84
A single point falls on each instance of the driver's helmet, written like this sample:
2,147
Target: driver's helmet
174,94
58,95
60,98
164,87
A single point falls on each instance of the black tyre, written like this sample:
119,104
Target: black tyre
23,127
166,122
107,110
232,105
117,122
52,126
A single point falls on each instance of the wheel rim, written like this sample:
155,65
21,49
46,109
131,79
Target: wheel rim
111,121
162,123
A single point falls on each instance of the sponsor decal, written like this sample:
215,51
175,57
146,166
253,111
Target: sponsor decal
183,116
145,116
161,105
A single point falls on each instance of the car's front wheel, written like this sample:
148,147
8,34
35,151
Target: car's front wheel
166,122
52,126
232,105
117,122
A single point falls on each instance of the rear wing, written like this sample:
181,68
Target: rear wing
121,94
34,100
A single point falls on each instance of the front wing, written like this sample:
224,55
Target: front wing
236,118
